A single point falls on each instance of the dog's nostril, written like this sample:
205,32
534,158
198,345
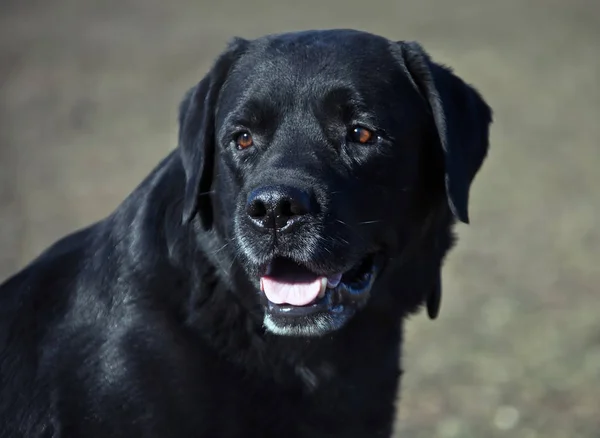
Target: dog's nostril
256,209
295,206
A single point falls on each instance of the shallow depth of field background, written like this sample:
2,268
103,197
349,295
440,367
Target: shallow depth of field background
88,97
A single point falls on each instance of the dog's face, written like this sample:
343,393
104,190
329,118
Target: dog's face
318,149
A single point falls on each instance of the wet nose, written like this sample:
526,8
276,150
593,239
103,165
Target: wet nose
276,207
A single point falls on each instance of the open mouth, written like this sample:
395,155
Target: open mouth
293,289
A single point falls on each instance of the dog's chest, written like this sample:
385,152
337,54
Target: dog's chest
321,404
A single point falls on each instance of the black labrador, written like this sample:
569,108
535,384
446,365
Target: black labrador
256,283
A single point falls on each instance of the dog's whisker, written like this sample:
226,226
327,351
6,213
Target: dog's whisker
221,248
369,222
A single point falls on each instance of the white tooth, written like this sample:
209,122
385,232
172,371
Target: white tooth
333,281
323,287
262,288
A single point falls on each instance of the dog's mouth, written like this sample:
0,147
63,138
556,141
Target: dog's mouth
293,289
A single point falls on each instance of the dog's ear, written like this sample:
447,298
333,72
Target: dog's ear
462,119
435,297
197,135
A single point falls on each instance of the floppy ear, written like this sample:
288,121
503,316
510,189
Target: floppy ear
462,119
197,135
434,298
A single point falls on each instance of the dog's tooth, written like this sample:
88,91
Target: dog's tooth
334,280
323,287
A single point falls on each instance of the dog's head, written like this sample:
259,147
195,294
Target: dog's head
323,156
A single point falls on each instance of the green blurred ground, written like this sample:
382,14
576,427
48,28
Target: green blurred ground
88,93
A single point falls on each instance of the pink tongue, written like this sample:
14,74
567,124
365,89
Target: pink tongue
290,292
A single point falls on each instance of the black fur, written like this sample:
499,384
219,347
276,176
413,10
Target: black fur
150,322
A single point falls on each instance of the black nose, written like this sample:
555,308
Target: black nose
276,207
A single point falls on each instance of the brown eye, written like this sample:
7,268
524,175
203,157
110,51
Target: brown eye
361,135
244,140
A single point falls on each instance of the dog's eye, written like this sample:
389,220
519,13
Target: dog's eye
361,135
244,140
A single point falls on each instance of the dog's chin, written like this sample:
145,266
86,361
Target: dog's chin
300,302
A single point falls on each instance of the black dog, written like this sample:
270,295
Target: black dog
255,284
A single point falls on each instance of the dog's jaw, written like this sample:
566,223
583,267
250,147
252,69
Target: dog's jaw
318,326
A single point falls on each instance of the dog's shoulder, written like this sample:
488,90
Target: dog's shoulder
33,303
67,317
91,262
37,286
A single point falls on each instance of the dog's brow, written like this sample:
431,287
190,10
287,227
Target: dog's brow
344,103
340,95
255,113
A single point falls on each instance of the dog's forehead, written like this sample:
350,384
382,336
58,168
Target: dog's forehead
292,69
312,62
333,43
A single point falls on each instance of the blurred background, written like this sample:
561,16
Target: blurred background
88,97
